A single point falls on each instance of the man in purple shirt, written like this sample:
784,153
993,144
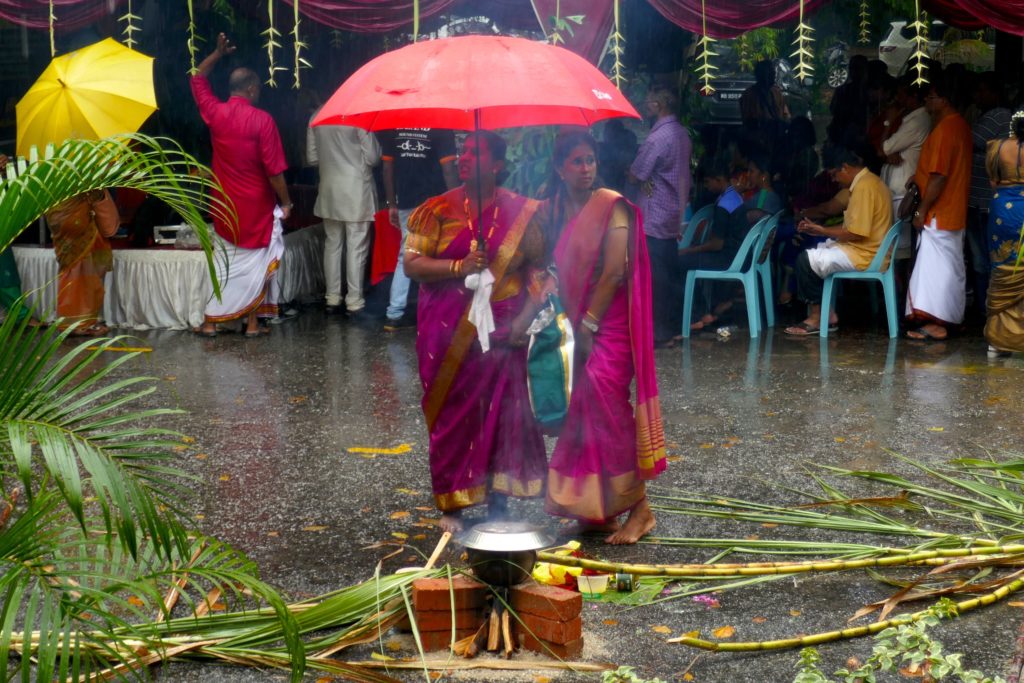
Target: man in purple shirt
662,172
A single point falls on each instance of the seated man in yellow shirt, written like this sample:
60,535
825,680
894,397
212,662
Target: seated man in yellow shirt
850,246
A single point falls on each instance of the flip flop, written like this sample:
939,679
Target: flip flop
706,321
806,330
926,336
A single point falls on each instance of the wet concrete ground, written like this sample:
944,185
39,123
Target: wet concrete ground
273,419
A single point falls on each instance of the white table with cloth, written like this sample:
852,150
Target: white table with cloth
169,288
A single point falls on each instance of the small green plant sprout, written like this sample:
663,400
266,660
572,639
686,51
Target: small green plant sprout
905,648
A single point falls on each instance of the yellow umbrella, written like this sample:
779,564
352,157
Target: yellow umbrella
100,90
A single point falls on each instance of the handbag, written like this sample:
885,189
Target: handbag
911,200
549,361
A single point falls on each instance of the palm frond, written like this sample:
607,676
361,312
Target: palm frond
156,166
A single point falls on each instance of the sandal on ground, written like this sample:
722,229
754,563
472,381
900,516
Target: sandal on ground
805,329
206,333
94,330
924,334
258,332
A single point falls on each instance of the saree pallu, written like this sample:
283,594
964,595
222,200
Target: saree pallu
247,277
84,257
938,285
483,436
607,448
1004,325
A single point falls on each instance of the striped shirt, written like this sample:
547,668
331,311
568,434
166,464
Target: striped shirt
663,167
992,125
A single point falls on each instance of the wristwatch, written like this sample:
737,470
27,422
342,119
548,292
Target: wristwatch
589,324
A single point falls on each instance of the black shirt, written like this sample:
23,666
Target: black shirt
417,154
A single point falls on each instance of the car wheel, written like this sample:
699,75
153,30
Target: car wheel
837,76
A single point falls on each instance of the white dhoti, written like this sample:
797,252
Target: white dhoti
828,258
938,287
244,276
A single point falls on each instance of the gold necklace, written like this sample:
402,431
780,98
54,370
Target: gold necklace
469,221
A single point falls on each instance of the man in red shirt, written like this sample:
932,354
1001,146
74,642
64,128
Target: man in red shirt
936,296
249,162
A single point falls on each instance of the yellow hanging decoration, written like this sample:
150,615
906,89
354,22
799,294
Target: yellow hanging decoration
130,27
53,17
617,51
920,27
300,61
803,52
273,42
864,36
192,48
705,69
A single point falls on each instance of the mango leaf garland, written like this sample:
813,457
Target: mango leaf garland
705,69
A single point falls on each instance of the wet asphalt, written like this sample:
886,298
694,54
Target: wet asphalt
274,419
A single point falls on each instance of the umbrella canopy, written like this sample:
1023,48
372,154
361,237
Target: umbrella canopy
100,90
475,82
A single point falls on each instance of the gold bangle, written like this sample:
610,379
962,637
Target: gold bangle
593,317
451,266
458,268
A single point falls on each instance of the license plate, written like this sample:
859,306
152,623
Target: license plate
730,95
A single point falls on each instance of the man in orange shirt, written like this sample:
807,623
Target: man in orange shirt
937,291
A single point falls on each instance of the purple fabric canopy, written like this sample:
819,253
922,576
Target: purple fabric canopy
370,16
71,14
730,18
1003,15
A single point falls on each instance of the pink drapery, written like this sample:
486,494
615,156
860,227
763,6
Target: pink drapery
730,18
588,40
71,14
368,16
1002,15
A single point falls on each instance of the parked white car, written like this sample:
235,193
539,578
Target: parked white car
896,48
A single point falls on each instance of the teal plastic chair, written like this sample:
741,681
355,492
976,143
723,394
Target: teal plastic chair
881,270
746,257
703,216
764,268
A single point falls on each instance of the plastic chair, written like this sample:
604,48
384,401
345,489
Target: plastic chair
881,270
756,238
764,268
703,216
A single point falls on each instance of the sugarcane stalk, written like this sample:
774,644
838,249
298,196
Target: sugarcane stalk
844,634
764,569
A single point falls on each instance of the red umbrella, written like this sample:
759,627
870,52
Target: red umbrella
475,82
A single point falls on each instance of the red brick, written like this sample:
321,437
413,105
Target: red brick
570,650
442,620
560,632
433,595
442,640
549,602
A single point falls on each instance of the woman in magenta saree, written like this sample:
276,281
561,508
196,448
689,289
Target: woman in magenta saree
608,448
484,442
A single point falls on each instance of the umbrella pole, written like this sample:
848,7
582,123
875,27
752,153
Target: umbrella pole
479,191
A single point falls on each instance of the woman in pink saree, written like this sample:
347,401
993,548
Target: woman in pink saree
608,448
484,442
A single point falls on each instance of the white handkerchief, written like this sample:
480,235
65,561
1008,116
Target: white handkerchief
480,313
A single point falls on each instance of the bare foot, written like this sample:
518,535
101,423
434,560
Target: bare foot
638,525
451,522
